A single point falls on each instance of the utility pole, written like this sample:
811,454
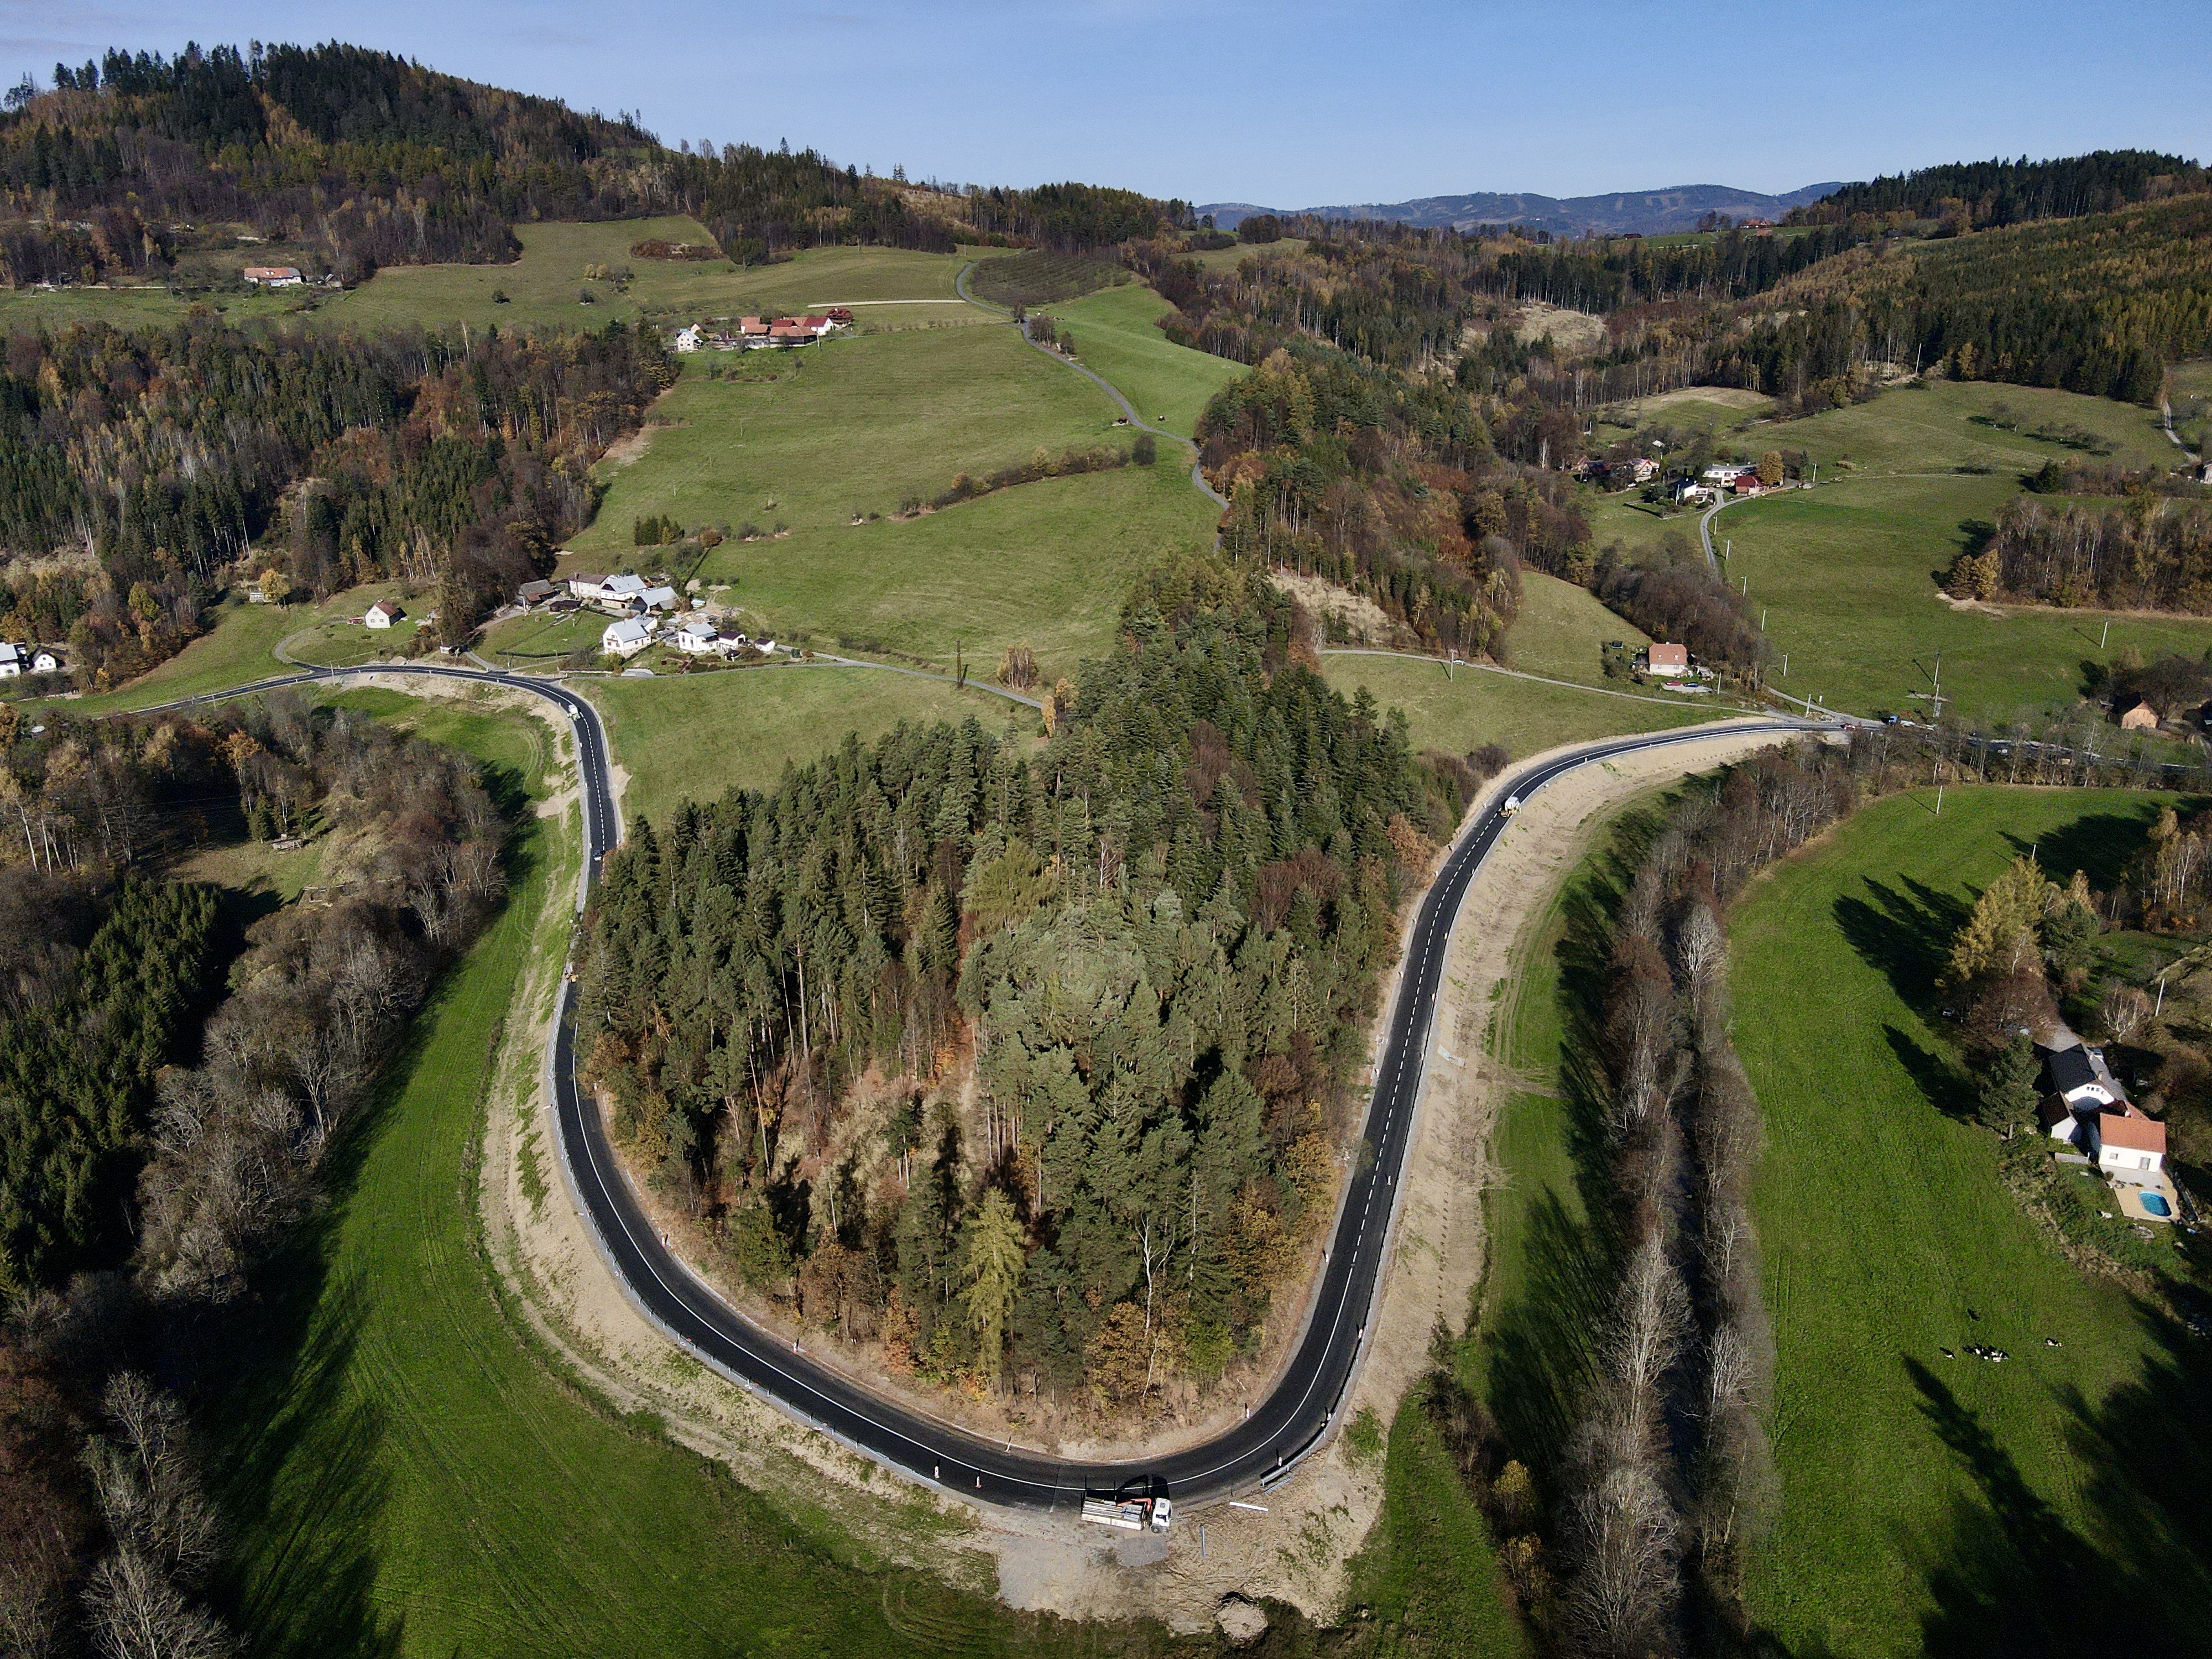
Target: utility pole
1939,800
2106,633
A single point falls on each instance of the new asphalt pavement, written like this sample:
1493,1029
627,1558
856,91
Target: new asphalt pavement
1294,1417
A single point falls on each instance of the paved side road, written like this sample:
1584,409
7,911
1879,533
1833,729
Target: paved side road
1290,1422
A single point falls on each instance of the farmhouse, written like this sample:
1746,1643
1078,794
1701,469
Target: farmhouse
620,594
1640,469
585,584
688,339
45,662
382,614
696,634
1725,473
2129,1142
1689,490
752,328
626,638
14,661
1747,483
272,276
2141,716
2076,1078
1667,660
535,593
657,598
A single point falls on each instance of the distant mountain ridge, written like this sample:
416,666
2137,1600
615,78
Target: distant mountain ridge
1653,212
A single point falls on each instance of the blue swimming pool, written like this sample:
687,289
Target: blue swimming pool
2156,1204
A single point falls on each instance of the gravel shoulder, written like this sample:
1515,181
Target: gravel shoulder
1295,1552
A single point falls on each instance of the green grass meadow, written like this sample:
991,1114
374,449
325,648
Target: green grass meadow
1117,336
1846,577
240,647
403,1473
864,424
693,736
1463,711
1562,630
1935,1504
544,288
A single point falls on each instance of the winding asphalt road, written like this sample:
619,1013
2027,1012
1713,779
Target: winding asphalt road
1291,1421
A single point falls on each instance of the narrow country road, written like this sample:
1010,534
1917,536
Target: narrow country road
2166,419
1197,470
1291,1421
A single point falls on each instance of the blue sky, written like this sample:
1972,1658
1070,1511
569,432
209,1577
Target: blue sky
1293,103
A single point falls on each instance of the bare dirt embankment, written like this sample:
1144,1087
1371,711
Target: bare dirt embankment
1364,621
1295,1552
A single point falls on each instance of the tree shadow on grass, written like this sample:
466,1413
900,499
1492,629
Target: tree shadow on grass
302,1482
298,1478
2100,846
1905,932
1940,1080
2011,1575
1540,1346
1537,1347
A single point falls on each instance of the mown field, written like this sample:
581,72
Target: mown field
1117,336
864,425
694,736
1463,711
1847,578
403,1473
1928,1503
1846,575
1562,630
546,286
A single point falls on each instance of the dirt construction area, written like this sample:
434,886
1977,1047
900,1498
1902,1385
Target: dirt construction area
1217,1558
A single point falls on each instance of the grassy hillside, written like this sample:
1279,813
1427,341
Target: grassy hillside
1933,1504
1562,629
861,426
1116,335
544,288
1845,575
696,736
1464,711
545,285
1847,578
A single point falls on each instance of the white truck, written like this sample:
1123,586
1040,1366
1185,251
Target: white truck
1130,1514
1512,806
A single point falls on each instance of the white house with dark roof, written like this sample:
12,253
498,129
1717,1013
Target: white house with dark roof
626,638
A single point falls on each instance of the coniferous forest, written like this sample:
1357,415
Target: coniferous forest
1154,941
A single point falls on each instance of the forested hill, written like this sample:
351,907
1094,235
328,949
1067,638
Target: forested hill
348,159
1973,195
